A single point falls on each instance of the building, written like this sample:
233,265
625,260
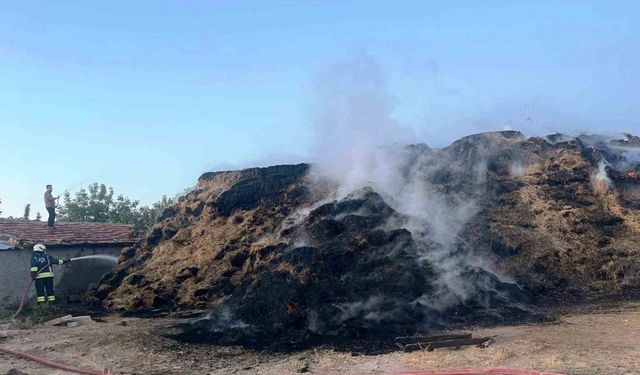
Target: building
66,240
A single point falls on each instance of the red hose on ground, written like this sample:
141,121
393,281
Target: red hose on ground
494,371
50,363
26,294
44,361
23,300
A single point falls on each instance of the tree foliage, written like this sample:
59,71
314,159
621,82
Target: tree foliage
27,211
98,203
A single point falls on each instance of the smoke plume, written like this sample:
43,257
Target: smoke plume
360,144
353,121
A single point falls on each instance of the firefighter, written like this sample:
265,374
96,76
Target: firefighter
42,273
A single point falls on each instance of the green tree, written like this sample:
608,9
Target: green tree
98,203
149,215
27,211
91,204
38,216
124,210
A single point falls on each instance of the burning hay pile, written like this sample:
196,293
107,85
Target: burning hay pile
418,238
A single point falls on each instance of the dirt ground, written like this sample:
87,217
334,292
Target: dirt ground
594,340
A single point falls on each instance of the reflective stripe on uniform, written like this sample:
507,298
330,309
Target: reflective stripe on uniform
40,299
51,298
44,275
60,262
34,269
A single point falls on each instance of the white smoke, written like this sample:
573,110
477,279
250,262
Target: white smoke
517,169
370,308
602,176
360,144
353,120
559,138
630,154
625,147
600,181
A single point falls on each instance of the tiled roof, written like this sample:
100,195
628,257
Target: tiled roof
24,233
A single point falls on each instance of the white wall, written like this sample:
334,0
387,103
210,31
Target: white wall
74,278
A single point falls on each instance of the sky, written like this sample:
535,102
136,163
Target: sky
145,96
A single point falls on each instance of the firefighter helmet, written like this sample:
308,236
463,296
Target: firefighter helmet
39,247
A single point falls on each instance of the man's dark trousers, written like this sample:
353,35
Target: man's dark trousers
44,290
52,215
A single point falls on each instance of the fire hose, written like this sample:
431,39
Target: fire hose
489,371
23,301
35,358
50,363
493,371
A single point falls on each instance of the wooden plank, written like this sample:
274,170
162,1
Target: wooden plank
62,320
65,320
83,320
483,342
428,339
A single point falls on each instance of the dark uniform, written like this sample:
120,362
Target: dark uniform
41,261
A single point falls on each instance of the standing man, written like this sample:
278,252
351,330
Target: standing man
50,204
42,273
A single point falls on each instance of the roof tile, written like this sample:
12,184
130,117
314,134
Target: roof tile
22,232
